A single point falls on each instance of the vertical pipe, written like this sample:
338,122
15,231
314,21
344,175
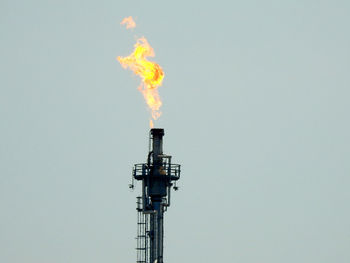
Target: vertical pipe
161,234
158,233
158,190
151,251
157,144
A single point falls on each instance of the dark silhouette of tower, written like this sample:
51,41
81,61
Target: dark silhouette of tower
158,176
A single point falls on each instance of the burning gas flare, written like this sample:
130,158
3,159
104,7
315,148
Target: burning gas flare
151,125
150,72
129,22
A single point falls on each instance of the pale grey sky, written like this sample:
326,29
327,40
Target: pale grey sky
256,109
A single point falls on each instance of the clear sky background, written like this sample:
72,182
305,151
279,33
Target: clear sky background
256,109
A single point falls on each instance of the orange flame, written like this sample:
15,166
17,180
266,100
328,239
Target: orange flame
129,22
151,74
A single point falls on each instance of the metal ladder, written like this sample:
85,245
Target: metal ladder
142,233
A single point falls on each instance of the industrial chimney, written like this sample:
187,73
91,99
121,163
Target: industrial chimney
158,176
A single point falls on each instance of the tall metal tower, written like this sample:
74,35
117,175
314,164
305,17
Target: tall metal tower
158,176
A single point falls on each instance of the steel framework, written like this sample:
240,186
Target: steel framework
158,176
